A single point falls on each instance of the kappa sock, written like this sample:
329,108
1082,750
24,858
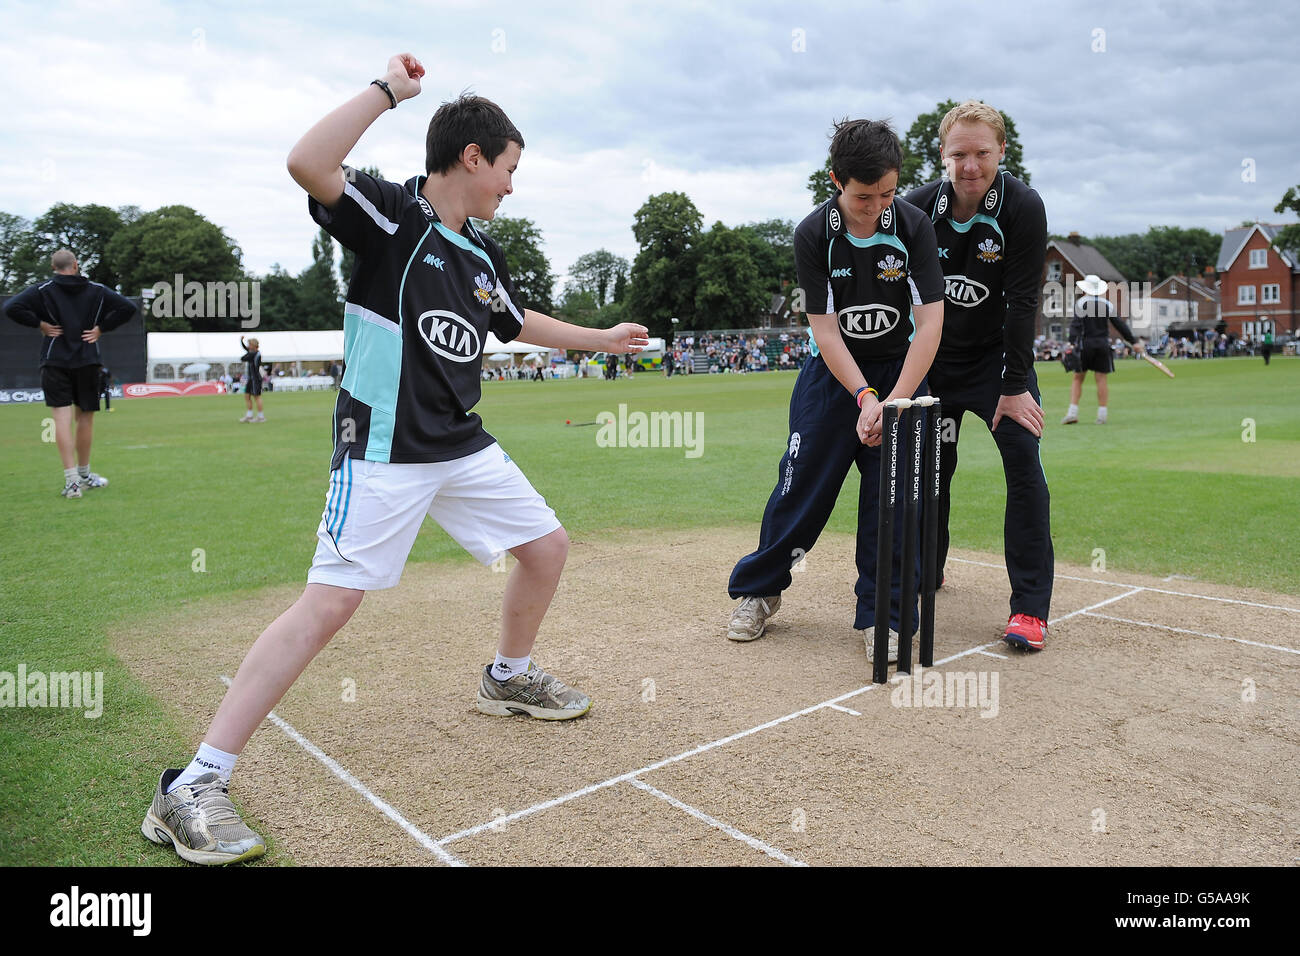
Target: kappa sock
507,667
207,760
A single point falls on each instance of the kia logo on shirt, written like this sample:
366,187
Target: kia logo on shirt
965,292
868,321
449,335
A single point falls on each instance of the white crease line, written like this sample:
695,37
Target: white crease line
1091,607
565,798
419,835
1183,630
498,822
844,710
729,830
1001,657
1122,584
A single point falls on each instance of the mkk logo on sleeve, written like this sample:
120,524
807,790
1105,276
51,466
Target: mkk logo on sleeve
449,335
868,321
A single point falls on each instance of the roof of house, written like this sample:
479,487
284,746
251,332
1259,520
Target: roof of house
1086,260
1234,240
1175,287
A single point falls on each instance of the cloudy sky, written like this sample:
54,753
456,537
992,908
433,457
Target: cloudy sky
1131,113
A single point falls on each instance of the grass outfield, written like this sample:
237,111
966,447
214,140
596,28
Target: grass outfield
1169,487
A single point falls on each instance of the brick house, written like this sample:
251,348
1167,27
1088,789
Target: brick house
1182,305
1258,284
1069,260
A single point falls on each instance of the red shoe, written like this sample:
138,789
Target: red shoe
1026,632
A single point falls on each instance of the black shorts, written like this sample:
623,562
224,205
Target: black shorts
253,386
1098,358
72,386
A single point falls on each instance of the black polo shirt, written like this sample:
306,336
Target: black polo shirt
993,272
420,303
871,284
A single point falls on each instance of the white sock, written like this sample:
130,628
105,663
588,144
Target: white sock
1101,413
70,476
206,760
83,470
1073,412
507,667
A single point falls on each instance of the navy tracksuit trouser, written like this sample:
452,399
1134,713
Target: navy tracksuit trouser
821,447
976,387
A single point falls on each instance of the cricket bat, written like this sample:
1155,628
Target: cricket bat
1157,363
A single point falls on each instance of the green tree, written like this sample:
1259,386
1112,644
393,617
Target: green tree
820,185
663,275
598,272
521,242
170,241
772,249
14,231
86,230
1288,238
319,304
1161,251
280,300
578,305
729,290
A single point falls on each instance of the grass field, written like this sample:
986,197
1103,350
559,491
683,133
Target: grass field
1194,477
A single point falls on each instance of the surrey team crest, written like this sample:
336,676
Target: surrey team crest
891,269
990,251
484,291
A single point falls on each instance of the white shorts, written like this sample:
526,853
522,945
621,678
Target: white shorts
374,509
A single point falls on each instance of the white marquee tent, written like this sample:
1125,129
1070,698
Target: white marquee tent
169,352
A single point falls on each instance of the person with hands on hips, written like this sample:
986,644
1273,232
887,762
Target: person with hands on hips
869,269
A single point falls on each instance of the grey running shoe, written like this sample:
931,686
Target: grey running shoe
869,638
93,480
534,693
749,620
71,490
200,822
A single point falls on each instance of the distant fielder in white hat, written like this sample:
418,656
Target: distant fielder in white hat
1090,340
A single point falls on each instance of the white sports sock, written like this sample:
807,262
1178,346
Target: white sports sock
1101,413
70,475
84,470
1072,412
507,667
206,760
